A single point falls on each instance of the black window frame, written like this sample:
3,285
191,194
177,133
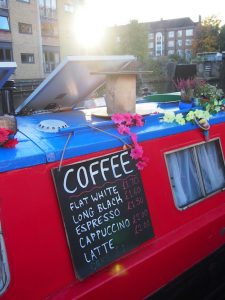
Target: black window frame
27,61
4,46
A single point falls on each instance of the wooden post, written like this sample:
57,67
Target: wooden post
120,93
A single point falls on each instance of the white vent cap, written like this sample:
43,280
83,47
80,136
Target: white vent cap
51,125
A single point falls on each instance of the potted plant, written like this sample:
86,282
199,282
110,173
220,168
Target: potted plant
186,88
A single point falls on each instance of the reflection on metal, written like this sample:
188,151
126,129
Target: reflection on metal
74,80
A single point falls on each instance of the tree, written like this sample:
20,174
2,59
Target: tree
128,39
222,38
207,36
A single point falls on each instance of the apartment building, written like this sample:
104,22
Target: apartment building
37,34
168,37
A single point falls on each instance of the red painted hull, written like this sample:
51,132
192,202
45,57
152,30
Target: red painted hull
38,254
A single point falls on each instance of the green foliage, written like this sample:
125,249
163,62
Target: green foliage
207,36
222,38
128,39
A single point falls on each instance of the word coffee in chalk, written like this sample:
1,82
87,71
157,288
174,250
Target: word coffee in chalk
104,210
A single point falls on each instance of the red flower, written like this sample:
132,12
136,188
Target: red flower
4,134
10,143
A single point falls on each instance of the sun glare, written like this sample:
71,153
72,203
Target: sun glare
88,27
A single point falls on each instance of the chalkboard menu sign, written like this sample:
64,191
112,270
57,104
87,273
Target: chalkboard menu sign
104,210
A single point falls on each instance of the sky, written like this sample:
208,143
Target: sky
117,12
103,13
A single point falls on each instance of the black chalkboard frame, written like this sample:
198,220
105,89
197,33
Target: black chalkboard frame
136,220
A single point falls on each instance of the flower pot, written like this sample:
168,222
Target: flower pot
185,105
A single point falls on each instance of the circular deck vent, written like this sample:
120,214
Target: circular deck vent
51,125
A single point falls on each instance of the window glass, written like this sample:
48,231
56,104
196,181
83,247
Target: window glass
171,44
179,33
27,58
170,52
171,34
212,166
189,32
3,4
69,8
151,36
1,54
25,28
27,1
47,8
6,52
179,43
196,172
188,42
150,45
51,60
49,29
183,176
4,23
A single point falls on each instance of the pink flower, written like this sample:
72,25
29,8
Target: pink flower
128,119
10,143
122,129
133,138
142,163
4,134
117,118
138,120
136,152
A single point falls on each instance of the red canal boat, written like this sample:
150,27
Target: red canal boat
79,220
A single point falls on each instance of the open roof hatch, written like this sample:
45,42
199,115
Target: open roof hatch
72,81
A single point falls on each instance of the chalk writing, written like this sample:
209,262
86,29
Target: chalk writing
104,209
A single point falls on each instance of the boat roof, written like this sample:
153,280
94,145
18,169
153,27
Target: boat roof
88,134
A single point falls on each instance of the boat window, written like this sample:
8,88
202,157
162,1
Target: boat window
196,172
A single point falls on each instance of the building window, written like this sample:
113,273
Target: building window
171,34
158,44
189,32
3,4
179,33
179,43
26,1
69,8
25,28
4,23
170,43
27,58
170,52
151,36
51,58
48,8
6,52
150,45
188,42
180,52
196,172
49,29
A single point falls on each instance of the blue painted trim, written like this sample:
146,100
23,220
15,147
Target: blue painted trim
36,147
